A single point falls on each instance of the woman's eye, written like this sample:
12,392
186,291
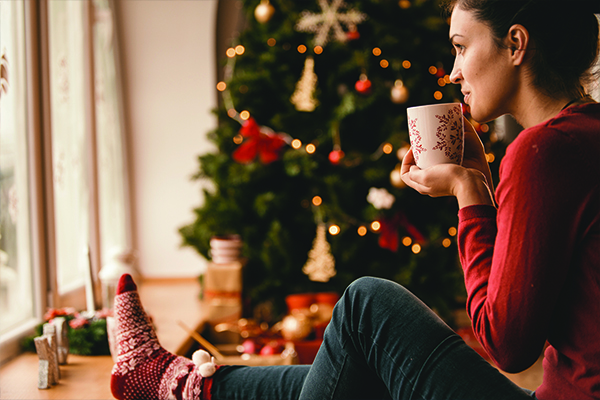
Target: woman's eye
459,48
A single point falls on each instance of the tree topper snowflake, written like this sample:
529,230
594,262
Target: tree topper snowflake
329,19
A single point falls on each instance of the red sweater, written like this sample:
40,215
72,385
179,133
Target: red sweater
532,267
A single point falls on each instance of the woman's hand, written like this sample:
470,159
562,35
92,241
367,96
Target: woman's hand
469,183
474,154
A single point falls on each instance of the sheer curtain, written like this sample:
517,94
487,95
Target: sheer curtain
16,282
70,167
112,171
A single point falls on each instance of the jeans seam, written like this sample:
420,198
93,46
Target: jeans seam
337,381
426,361
389,356
393,362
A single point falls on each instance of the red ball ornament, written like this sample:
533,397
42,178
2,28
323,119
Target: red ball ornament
335,156
271,348
363,85
352,34
249,346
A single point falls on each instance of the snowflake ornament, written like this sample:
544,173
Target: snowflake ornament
380,198
330,19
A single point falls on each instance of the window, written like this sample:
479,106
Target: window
63,178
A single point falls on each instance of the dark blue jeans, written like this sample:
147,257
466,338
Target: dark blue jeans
382,343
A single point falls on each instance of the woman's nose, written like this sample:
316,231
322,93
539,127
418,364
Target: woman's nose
456,74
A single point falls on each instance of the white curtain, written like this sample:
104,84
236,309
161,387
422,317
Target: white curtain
112,172
16,287
68,130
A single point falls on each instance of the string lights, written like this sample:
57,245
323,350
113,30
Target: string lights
386,148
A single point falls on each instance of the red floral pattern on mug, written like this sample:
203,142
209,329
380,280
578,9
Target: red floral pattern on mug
448,142
416,140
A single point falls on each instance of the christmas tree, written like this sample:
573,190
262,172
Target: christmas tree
310,140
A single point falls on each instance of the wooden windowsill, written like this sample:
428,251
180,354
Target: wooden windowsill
82,378
167,301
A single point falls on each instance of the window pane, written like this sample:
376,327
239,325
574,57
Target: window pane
16,288
68,125
109,135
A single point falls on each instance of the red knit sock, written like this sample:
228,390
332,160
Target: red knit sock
144,369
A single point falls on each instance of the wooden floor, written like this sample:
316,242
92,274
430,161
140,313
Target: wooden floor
167,302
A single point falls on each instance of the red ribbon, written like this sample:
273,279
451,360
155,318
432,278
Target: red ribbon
389,238
266,146
388,235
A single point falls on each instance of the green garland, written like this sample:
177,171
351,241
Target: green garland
87,336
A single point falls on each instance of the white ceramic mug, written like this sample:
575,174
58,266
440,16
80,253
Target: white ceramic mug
436,134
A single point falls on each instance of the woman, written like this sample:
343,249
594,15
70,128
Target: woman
530,250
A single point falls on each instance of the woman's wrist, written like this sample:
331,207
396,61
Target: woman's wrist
473,189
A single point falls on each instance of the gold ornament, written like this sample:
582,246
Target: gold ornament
321,312
320,266
402,152
399,93
296,326
404,4
396,177
303,97
264,11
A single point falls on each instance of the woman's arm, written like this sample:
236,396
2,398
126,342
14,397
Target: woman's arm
517,263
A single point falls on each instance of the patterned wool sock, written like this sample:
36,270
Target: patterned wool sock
144,369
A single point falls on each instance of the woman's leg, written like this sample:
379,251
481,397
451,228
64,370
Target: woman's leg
281,382
145,370
385,343
381,343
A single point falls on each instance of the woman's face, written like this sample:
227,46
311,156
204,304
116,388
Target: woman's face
482,68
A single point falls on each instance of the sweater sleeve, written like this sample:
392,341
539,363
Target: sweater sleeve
516,258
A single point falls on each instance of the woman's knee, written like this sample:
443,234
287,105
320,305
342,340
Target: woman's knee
382,295
368,286
374,290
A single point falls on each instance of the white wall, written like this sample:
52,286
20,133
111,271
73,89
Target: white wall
168,68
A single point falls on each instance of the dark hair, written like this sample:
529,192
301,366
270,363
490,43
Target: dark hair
563,37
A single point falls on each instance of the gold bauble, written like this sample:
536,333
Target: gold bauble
402,152
396,178
296,326
399,92
322,312
264,11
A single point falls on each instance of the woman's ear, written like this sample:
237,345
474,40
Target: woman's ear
517,40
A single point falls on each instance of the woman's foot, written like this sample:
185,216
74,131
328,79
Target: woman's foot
144,369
